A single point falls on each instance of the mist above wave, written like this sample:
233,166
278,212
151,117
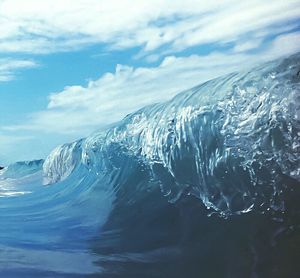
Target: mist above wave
233,142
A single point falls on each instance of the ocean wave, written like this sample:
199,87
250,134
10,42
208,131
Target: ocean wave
144,197
21,169
232,142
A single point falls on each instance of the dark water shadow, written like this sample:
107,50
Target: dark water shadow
146,236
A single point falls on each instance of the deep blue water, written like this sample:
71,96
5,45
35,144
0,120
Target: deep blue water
204,185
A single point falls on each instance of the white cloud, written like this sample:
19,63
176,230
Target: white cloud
285,45
79,109
36,26
237,20
247,45
8,67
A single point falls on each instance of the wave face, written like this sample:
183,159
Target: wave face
232,142
209,178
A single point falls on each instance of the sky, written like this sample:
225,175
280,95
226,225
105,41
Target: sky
69,68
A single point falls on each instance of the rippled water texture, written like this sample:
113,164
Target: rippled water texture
204,185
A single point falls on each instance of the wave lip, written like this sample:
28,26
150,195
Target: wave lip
233,142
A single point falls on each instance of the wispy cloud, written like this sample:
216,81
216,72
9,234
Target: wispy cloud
8,67
82,109
158,28
36,26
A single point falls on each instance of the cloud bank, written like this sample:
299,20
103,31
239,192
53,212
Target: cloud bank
47,26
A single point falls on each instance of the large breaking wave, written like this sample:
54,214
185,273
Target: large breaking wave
232,142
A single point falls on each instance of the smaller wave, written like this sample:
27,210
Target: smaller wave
21,169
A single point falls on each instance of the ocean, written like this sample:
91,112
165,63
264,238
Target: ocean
206,185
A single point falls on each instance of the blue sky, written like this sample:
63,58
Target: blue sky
68,68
